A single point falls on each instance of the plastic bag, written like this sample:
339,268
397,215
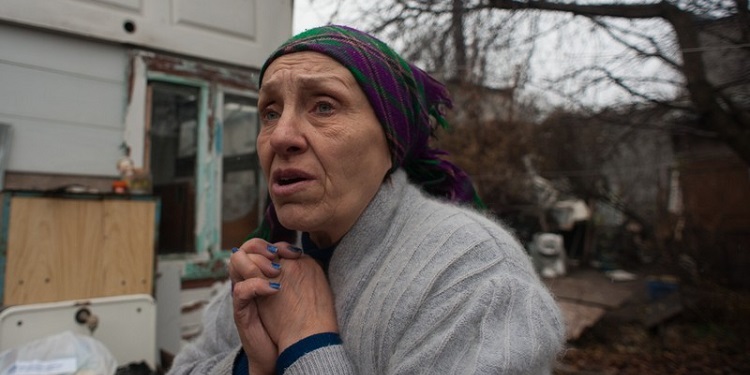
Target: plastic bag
64,353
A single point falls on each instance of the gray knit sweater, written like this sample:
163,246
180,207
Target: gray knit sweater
421,286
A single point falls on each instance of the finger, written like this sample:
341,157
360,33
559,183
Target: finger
246,291
259,346
287,250
256,342
260,247
247,266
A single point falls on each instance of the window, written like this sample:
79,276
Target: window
173,141
240,171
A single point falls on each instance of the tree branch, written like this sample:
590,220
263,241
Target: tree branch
640,51
629,11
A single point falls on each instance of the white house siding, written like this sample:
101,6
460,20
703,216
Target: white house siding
239,32
64,98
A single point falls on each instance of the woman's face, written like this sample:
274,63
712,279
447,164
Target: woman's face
321,146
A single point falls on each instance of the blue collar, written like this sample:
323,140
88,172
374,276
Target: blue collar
322,255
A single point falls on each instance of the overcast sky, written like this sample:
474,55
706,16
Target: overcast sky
306,17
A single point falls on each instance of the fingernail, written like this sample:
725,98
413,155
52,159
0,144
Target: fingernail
272,249
276,265
234,250
295,248
274,285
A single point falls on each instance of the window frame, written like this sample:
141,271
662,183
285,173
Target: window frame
214,81
221,92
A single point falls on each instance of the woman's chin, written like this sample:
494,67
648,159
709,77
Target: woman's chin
297,218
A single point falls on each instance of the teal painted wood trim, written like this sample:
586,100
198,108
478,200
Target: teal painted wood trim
4,242
157,221
163,77
207,223
213,269
207,178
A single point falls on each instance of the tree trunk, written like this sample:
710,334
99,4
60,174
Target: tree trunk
457,25
733,128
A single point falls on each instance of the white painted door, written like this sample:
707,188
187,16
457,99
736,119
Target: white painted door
240,32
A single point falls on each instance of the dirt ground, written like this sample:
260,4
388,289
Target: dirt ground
709,335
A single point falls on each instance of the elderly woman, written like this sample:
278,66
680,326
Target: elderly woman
396,274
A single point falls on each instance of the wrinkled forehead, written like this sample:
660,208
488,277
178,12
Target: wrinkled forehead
305,67
306,71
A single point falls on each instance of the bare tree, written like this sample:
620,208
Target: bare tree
489,42
716,110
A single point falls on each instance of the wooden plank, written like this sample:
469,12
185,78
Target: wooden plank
578,317
584,296
67,249
128,247
592,288
46,257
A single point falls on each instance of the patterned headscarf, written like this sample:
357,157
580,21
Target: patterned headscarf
407,101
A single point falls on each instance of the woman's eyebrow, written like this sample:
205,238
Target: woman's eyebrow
322,80
310,82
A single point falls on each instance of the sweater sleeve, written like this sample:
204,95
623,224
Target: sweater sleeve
503,325
215,350
484,311
330,359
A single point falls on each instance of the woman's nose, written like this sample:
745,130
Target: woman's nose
287,137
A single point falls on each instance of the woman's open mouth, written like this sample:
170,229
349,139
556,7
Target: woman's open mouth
289,181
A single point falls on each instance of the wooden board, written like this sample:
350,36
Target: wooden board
128,247
585,296
591,287
578,317
66,249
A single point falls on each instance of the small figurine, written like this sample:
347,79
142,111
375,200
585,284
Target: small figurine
126,168
548,254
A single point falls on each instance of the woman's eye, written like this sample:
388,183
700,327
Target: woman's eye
271,115
323,107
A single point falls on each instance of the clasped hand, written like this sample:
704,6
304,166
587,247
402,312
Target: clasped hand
280,296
